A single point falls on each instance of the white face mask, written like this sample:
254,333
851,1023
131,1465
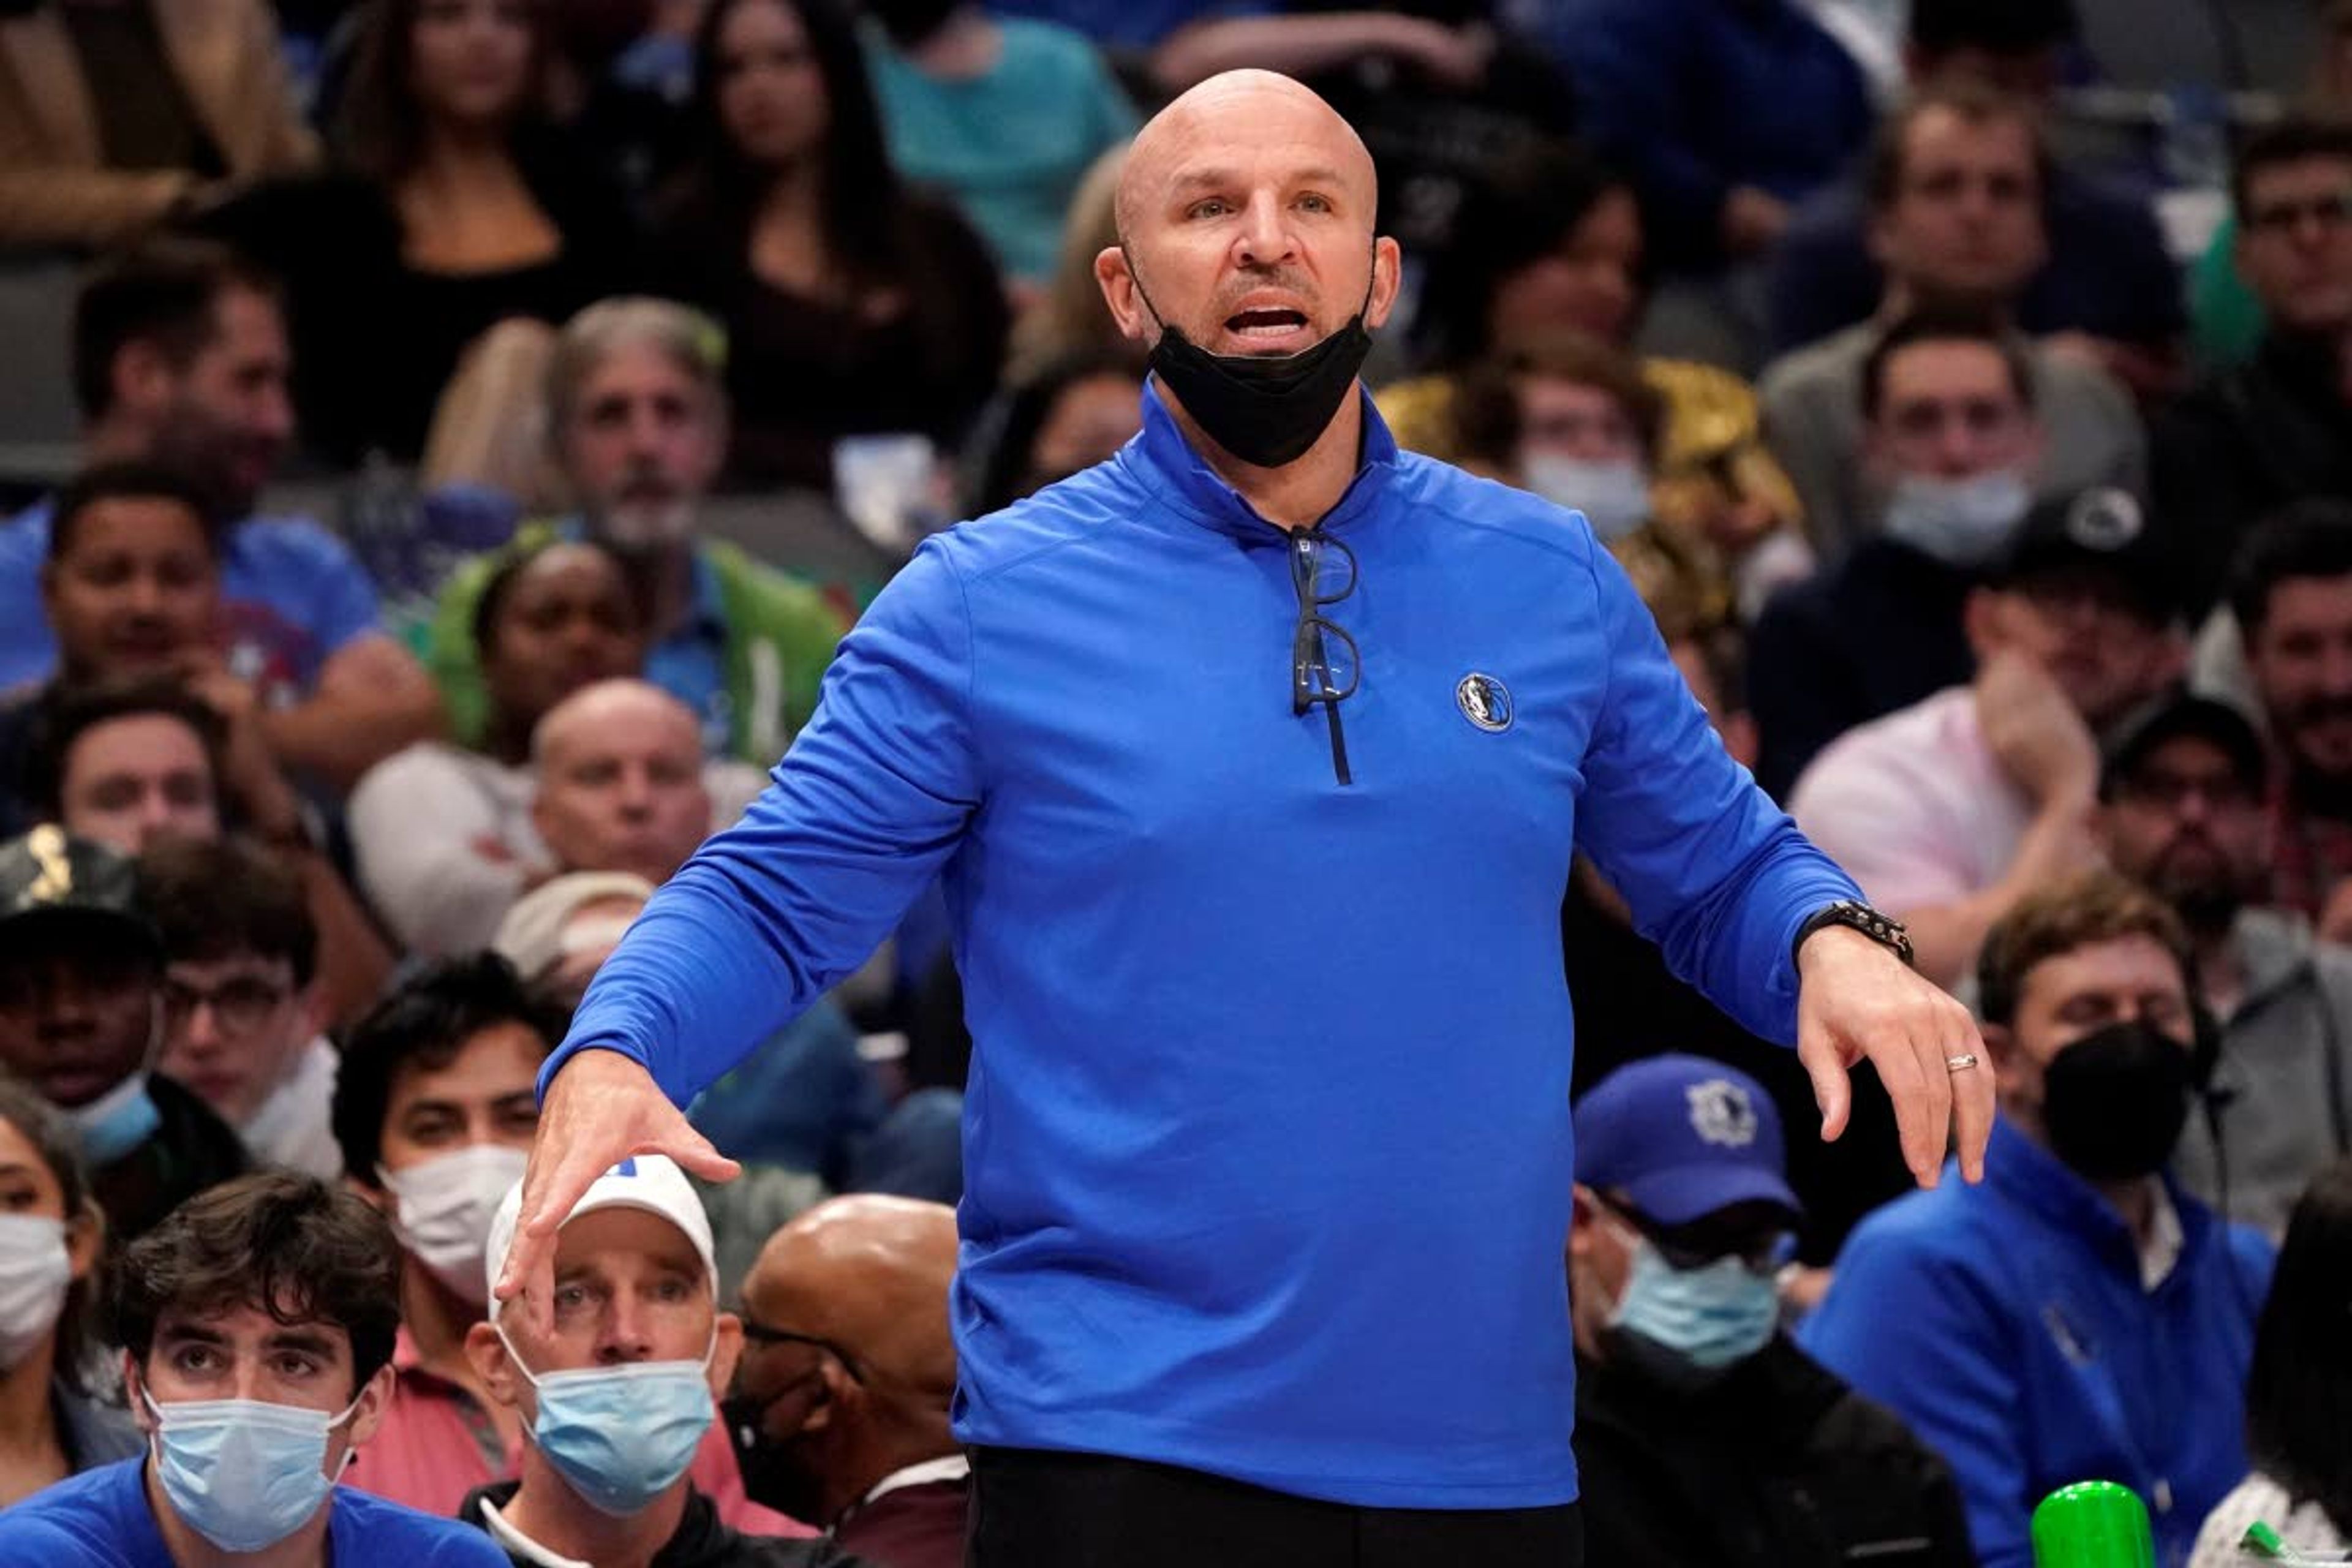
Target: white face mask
1615,496
1960,522
35,1274
443,1210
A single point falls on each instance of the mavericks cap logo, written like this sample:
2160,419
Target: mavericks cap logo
1484,701
1721,1113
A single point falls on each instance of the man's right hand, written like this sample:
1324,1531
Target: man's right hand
601,1108
2033,731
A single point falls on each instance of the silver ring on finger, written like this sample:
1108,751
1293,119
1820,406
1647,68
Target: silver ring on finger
1960,1064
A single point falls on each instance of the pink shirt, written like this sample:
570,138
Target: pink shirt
437,1444
1914,805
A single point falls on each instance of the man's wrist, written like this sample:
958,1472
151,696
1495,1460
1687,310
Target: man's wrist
1848,914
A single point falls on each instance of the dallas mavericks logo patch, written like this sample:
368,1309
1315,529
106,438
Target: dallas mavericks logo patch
1484,701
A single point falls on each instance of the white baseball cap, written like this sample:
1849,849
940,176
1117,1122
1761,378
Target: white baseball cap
649,1181
534,937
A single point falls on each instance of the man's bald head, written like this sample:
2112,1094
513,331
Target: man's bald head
1247,191
620,780
1283,107
870,1274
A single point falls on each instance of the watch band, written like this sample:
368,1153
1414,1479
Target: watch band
1883,928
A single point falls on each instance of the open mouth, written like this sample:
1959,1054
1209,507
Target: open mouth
1270,322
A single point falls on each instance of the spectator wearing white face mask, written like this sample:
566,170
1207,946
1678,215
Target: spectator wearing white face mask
1951,442
1571,418
52,1424
435,1109
256,1324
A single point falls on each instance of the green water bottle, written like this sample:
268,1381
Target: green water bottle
2093,1525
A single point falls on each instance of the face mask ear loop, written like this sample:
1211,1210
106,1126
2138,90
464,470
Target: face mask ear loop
1136,278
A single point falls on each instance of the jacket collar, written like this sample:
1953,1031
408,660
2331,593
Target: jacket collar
1169,471
2023,1172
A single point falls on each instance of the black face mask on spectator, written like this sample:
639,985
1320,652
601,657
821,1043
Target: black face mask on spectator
1266,409
2113,1102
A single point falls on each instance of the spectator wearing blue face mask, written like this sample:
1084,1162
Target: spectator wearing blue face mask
256,1324
618,1392
1951,440
1700,1426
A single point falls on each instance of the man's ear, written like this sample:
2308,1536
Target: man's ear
314,1005
134,1384
1388,282
838,1386
486,1353
1116,280
726,1350
1583,1221
141,377
373,1405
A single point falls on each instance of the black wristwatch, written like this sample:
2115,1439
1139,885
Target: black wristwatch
1883,928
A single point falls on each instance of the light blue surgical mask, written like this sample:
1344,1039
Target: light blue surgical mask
1613,496
1708,1319
1964,522
621,1434
117,1121
243,1473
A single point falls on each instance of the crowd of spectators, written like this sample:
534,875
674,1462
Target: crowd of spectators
492,412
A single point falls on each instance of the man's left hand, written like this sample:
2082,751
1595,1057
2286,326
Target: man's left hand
1857,1001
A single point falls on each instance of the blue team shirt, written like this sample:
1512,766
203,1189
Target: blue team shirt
291,595
1268,1147
99,1519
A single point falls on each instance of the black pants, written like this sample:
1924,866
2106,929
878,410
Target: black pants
1037,1509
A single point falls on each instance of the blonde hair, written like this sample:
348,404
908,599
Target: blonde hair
1071,321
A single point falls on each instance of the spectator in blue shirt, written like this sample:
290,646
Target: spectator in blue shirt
180,358
1005,117
2106,275
1727,113
2080,1314
257,1326
1264,985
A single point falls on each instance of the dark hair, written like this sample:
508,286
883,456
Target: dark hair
2056,919
1486,398
861,201
58,1146
2295,1430
283,1243
2309,538
1974,103
68,711
508,571
1943,325
2292,139
228,899
425,1021
1524,210
2009,27
129,480
1003,466
380,125
162,292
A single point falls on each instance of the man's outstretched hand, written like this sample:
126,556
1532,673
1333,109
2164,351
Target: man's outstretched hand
1857,1001
601,1108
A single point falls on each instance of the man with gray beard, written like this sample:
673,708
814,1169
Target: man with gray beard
2182,811
637,421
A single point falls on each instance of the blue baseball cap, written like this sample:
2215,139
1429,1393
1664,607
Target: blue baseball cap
1682,1137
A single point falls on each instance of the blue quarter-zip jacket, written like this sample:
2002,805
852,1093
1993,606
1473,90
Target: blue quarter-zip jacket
1266,1146
2008,1324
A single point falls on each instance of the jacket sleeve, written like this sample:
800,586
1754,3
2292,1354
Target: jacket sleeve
856,821
415,823
1717,875
1917,1333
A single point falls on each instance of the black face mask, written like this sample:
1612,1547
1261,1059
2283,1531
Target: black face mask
773,1476
2113,1102
1267,410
